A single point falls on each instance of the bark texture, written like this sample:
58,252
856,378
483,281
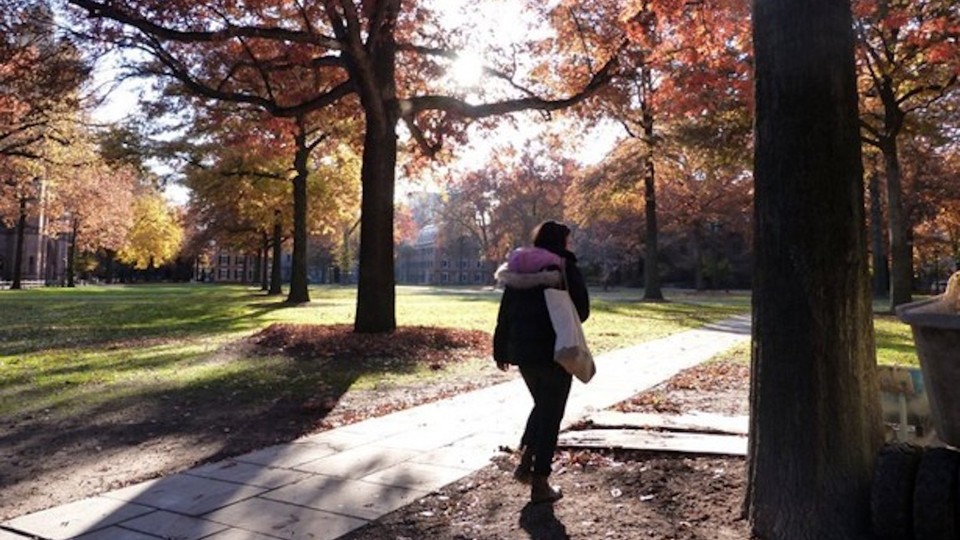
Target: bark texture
815,423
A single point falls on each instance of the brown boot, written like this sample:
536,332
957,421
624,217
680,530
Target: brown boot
524,470
542,491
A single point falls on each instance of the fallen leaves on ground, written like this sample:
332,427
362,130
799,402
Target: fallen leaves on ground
434,346
680,391
711,376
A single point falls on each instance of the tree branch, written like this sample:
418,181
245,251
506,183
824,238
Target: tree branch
98,9
418,104
183,75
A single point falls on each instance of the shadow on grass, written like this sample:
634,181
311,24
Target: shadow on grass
94,319
684,313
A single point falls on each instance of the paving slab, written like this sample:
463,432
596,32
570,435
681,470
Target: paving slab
427,436
284,520
340,439
287,456
76,518
172,526
384,426
185,494
417,476
116,533
356,498
239,534
488,443
358,462
249,474
7,535
459,457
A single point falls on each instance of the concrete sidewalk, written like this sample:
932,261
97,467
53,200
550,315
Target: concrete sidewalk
323,486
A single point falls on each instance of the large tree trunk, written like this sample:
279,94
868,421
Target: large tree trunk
815,422
275,278
901,250
881,271
18,253
376,296
299,293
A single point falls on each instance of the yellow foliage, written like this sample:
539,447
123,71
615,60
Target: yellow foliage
156,233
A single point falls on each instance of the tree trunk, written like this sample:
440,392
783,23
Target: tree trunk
881,272
376,293
651,269
275,277
264,261
72,254
651,274
901,250
376,296
299,293
110,270
696,237
18,254
815,422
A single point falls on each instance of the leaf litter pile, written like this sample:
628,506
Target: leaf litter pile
432,346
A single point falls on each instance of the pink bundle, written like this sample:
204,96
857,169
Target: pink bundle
526,260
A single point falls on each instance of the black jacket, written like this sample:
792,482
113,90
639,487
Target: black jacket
524,333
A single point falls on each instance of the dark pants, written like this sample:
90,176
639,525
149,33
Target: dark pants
549,386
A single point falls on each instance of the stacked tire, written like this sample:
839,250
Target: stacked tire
914,495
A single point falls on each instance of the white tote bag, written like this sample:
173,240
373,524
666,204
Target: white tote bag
570,350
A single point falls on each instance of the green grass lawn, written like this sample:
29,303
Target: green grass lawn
65,351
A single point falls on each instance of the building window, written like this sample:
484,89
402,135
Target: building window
476,277
444,263
444,278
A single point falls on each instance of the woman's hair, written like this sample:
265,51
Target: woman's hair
552,236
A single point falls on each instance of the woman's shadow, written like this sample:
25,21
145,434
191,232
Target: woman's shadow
541,523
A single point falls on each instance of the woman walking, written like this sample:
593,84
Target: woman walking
524,337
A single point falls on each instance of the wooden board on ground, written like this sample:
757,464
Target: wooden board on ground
698,422
657,441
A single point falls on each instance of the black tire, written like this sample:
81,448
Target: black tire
891,494
935,495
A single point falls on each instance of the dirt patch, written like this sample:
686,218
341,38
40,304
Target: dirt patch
47,461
